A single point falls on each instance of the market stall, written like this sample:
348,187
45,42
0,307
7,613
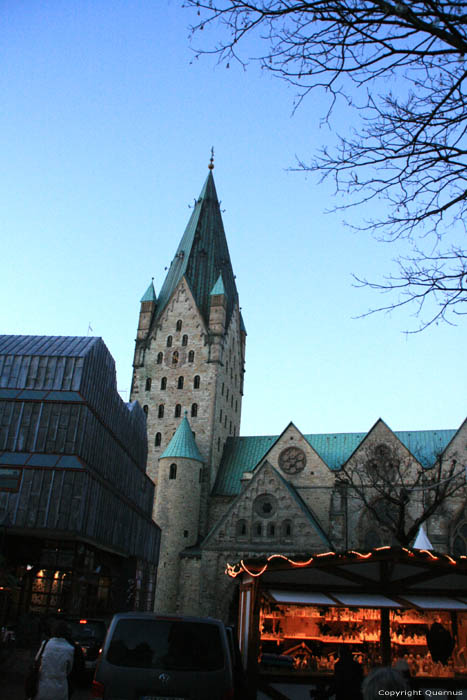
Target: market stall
384,605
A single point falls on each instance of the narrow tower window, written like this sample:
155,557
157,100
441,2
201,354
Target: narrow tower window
179,325
191,356
160,411
196,382
173,471
271,529
148,383
178,410
194,410
220,416
185,340
159,358
163,383
157,440
169,341
145,409
180,383
175,358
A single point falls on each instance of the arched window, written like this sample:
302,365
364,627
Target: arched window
145,409
271,530
459,541
148,383
160,411
173,471
194,410
180,383
179,325
169,341
178,411
227,395
185,340
258,529
220,416
241,528
287,528
222,390
191,356
175,357
163,383
160,357
225,421
157,439
196,381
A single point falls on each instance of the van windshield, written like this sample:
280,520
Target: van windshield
166,645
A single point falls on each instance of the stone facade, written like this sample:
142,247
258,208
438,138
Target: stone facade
250,496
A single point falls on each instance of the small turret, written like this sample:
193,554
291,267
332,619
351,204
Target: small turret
176,510
217,319
148,306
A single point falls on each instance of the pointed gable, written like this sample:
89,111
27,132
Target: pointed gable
150,294
202,255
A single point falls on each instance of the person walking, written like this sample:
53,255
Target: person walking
56,656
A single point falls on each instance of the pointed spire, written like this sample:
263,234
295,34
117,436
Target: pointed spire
150,294
202,255
183,444
218,287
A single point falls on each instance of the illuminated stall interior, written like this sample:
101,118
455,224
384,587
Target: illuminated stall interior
384,605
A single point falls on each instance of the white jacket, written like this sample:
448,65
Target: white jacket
56,664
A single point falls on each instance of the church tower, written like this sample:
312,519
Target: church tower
190,348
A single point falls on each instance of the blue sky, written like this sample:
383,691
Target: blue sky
106,126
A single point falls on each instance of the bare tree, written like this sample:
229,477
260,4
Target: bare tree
396,493
408,61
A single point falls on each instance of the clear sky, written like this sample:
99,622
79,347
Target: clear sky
106,126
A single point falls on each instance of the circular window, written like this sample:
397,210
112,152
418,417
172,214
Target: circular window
265,506
292,460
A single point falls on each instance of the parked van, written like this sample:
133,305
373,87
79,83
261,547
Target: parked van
155,657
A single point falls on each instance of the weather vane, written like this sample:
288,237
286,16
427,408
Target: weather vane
211,162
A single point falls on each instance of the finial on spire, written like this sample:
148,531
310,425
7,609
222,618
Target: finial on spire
211,161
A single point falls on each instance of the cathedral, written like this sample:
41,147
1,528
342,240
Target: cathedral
222,497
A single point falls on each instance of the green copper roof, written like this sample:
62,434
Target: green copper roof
242,454
183,443
202,255
218,287
149,294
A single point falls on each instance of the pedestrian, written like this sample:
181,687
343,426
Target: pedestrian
348,676
380,680
56,656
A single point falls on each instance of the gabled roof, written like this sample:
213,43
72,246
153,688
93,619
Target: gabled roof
202,256
242,454
149,294
183,444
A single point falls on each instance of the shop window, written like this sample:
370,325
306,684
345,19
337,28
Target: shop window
157,440
160,411
179,325
173,471
175,358
196,382
191,356
160,357
148,383
163,383
180,383
185,341
169,341
194,410
242,530
178,410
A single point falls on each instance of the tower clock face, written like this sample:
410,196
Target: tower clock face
292,460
